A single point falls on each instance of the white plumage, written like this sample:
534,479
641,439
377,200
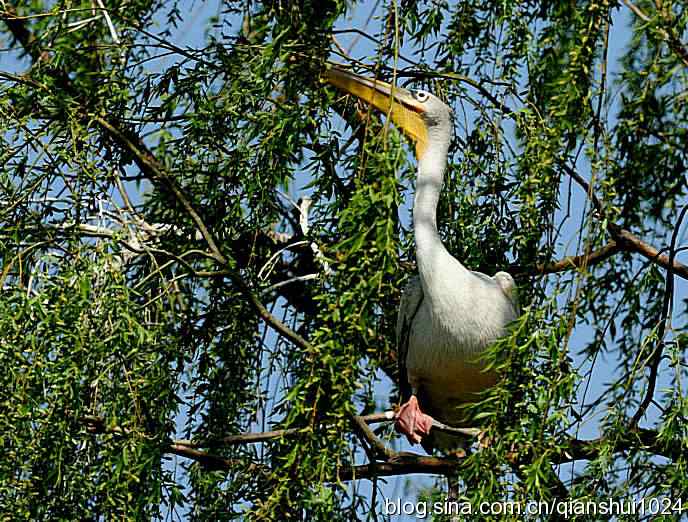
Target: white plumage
448,314
441,344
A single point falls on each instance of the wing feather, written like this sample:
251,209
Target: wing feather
507,284
411,299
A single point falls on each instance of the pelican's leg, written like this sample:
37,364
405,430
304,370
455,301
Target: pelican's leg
412,422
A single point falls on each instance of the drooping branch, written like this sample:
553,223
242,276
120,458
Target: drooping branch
155,171
665,321
667,32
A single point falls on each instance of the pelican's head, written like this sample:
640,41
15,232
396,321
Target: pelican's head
420,115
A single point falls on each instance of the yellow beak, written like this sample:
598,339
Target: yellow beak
395,102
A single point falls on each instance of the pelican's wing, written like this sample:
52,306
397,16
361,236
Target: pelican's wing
508,286
505,283
411,299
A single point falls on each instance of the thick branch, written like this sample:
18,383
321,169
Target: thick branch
409,463
572,262
569,262
633,243
207,460
626,240
631,440
400,464
396,464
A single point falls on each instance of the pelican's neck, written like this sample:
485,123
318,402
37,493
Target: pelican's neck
431,255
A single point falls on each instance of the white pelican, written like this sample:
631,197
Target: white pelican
448,314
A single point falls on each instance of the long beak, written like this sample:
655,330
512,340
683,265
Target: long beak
395,102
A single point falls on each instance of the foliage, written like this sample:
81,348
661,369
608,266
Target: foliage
199,239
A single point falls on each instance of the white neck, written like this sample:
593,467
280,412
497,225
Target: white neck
432,257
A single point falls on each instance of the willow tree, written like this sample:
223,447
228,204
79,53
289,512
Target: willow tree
202,244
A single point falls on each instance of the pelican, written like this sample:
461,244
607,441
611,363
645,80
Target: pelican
448,314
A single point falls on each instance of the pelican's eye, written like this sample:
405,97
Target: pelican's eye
421,96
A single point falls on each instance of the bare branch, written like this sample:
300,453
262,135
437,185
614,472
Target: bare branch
377,447
403,463
400,464
215,462
569,262
633,243
626,240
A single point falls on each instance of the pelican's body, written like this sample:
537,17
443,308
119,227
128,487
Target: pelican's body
448,314
440,344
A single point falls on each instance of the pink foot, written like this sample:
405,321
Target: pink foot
412,422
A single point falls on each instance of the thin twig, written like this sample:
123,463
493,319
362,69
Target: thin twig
664,325
296,279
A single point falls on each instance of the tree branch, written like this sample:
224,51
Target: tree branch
95,424
664,324
626,240
389,462
669,35
633,243
150,166
400,464
375,445
569,262
154,170
404,463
